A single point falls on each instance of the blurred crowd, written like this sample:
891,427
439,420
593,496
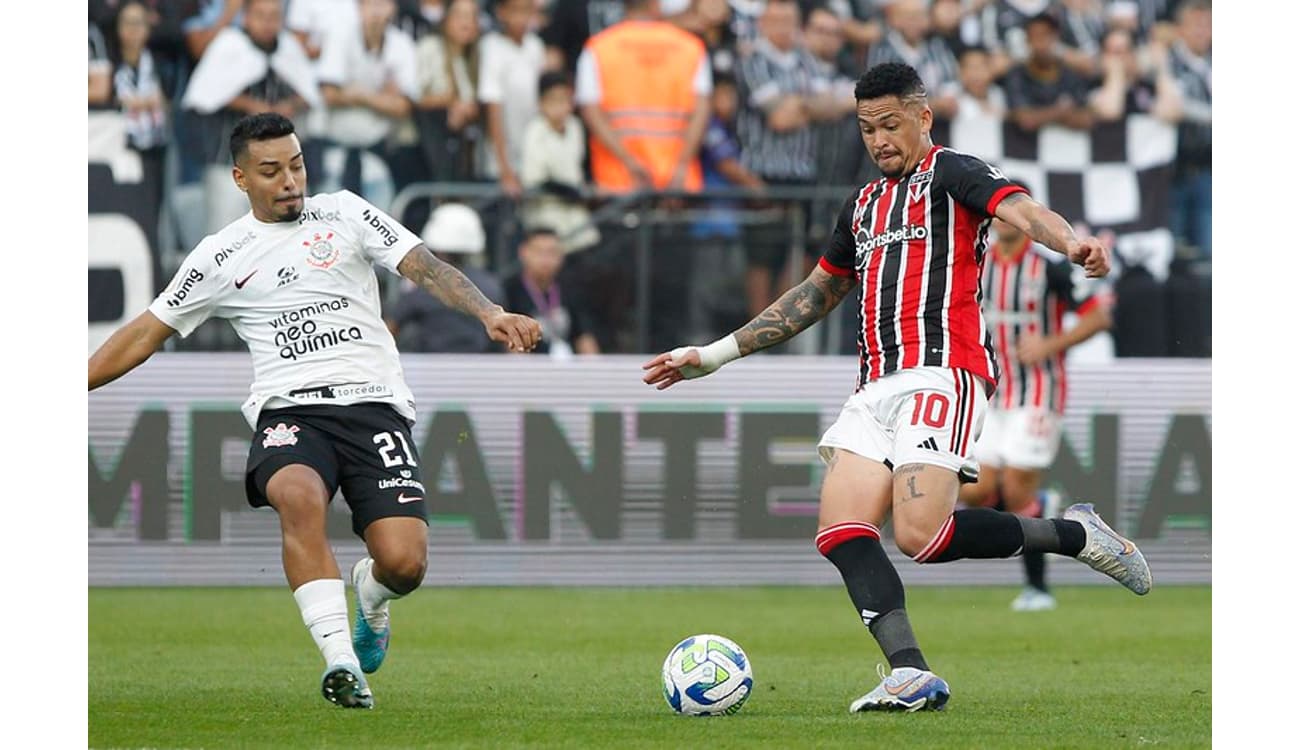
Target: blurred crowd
562,105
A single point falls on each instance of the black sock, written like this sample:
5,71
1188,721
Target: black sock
1036,570
981,534
1053,535
877,594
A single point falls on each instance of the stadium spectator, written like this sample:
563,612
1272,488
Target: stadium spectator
1042,90
980,96
209,19
1004,31
171,58
368,79
555,145
710,20
1083,25
100,83
838,142
908,40
510,64
863,25
137,87
540,292
312,21
950,24
420,18
1125,90
643,89
251,68
571,24
447,108
779,106
421,323
1190,64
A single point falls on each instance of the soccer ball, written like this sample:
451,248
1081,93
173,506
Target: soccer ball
707,675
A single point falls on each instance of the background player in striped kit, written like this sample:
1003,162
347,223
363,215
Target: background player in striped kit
915,240
1027,291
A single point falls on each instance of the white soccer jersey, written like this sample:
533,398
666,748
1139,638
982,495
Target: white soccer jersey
304,297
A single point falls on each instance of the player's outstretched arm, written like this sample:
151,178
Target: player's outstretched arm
1032,349
127,348
519,332
1049,228
800,307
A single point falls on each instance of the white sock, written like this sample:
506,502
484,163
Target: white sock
374,597
325,613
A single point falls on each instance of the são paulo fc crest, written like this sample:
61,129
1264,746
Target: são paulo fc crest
280,434
320,251
917,185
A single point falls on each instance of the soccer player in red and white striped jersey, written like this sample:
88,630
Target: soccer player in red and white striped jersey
1027,291
914,242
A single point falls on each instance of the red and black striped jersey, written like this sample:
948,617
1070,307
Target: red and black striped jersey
1029,294
916,245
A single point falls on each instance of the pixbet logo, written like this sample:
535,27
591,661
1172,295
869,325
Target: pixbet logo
224,253
317,215
183,290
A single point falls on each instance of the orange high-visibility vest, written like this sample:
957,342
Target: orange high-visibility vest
646,71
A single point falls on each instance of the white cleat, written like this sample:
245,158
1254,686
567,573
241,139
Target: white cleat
1108,552
1033,600
905,689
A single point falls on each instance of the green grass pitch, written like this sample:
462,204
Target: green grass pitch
539,667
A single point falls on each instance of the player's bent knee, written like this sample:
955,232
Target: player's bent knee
298,494
911,539
402,572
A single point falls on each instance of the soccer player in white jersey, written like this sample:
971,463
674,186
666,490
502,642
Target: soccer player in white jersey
329,407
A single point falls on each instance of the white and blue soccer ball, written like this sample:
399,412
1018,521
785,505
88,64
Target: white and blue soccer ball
707,675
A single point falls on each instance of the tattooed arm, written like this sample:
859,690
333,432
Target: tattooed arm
1049,228
805,304
442,280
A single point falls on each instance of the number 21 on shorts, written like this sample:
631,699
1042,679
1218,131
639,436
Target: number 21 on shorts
388,449
930,409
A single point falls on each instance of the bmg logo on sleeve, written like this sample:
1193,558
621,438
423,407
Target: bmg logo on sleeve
184,286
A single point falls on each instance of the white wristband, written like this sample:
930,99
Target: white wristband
712,357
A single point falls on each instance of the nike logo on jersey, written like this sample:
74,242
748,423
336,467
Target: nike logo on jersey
239,283
401,498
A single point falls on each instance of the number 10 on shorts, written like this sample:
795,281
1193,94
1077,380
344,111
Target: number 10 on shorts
930,408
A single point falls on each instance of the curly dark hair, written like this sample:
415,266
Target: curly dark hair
889,79
260,127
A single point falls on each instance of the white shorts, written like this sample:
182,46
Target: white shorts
1024,438
922,415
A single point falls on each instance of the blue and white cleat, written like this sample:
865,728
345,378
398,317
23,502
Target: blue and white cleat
371,646
344,686
1108,552
905,689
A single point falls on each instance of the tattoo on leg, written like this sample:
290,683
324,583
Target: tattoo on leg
910,470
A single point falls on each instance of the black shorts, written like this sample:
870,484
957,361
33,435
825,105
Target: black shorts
364,449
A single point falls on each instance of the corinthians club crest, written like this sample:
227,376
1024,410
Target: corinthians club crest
321,253
281,434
